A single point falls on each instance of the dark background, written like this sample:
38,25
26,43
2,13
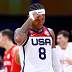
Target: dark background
57,23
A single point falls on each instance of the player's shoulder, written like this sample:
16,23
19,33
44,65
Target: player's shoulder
70,44
57,46
51,31
15,49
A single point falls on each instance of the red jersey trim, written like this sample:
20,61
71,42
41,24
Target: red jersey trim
43,33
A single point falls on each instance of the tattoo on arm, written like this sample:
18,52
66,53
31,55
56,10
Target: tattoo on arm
25,28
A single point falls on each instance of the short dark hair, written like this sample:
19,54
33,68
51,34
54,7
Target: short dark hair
64,32
8,33
36,6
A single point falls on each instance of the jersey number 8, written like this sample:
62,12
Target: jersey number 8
42,53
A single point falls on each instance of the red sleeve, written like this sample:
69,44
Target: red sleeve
15,66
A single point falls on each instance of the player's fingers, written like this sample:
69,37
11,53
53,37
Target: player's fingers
36,14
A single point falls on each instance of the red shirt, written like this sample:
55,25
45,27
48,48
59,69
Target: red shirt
8,60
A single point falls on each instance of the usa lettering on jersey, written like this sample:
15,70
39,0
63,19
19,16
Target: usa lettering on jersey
41,41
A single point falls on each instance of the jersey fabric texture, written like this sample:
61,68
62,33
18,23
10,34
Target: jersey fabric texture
35,53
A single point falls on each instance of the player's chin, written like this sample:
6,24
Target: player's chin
60,44
40,27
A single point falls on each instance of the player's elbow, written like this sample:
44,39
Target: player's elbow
17,40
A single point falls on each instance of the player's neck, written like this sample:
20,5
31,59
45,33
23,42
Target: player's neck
8,45
38,30
64,46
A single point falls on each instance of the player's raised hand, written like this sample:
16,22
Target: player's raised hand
35,15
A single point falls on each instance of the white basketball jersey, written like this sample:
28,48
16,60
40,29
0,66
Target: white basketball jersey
35,53
62,54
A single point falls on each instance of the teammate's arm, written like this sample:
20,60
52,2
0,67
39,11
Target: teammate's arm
21,34
55,60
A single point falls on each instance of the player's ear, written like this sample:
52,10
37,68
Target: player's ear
67,39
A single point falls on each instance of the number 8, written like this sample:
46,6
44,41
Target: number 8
42,52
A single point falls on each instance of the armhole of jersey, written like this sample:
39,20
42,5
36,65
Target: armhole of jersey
24,51
15,57
49,33
24,59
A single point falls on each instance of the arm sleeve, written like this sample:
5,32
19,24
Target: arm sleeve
55,61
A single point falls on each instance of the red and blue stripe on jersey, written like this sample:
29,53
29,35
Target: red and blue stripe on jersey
44,33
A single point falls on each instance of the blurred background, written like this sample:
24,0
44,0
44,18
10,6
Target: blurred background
13,13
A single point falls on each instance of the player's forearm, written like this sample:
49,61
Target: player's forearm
21,35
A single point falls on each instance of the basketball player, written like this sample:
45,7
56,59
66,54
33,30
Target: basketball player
37,43
10,56
64,50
